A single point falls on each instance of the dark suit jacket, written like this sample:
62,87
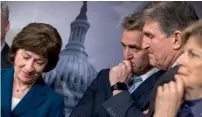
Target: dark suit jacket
40,100
122,105
90,105
167,77
4,57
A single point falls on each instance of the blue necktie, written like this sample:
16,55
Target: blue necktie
133,82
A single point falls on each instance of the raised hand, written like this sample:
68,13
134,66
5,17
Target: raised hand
121,73
169,98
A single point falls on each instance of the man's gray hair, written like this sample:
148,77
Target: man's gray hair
5,10
171,15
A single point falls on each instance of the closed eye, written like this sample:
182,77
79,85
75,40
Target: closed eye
26,57
40,62
192,54
149,35
135,47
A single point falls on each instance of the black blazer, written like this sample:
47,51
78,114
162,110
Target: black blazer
99,92
167,77
123,105
4,57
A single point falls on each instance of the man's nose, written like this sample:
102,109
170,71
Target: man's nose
145,43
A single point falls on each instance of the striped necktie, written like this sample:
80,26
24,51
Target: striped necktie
132,84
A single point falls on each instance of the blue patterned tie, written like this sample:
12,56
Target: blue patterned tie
133,82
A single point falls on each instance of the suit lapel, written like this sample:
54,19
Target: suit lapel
147,84
4,57
7,86
108,85
34,97
5,50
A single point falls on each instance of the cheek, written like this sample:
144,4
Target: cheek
144,58
154,47
159,50
194,77
196,71
193,80
17,70
124,54
19,61
39,69
141,58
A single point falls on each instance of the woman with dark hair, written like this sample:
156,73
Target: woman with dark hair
183,97
24,94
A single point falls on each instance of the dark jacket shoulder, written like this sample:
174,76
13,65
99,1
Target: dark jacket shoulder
4,57
167,77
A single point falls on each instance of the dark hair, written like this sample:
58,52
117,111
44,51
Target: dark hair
171,15
194,30
133,22
42,39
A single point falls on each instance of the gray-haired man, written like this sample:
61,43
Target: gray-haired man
5,26
164,22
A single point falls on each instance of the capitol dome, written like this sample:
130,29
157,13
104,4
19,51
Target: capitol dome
73,73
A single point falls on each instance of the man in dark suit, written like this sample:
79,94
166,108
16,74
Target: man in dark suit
139,78
164,22
5,26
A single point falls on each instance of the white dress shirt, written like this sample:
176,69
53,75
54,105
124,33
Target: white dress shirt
143,77
15,101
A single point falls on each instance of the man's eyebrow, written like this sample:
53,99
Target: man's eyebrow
148,33
135,46
132,46
123,44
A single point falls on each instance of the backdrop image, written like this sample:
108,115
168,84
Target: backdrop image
91,33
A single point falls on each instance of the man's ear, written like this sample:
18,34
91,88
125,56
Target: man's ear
7,26
176,40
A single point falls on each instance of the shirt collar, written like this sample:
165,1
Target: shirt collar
174,64
148,74
2,46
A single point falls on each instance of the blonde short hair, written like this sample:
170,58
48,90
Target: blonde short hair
195,30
